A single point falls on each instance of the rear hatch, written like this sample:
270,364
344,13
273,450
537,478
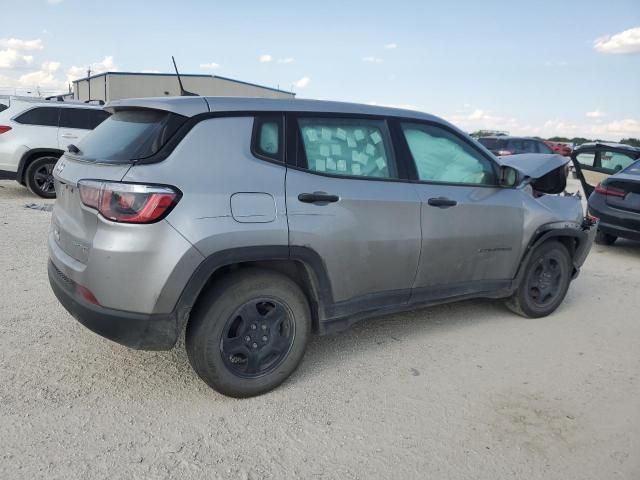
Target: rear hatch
136,131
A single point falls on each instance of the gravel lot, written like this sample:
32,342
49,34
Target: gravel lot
461,391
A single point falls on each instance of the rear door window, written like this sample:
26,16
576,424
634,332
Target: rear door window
355,147
74,118
42,116
129,135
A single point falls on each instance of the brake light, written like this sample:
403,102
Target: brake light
504,152
609,191
127,202
4,129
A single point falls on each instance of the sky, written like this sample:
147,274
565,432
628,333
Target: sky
545,68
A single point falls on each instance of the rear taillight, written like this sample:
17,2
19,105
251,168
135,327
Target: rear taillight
128,202
4,129
504,152
609,191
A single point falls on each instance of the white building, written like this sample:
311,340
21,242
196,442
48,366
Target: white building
116,85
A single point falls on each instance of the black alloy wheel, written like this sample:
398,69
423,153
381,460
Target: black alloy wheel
257,337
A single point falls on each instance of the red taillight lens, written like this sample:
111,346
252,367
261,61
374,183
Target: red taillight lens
4,129
609,191
128,203
504,152
86,294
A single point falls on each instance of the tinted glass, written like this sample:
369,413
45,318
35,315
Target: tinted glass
44,116
356,147
3,107
633,169
529,146
440,156
543,148
129,135
492,143
268,139
614,162
96,117
74,118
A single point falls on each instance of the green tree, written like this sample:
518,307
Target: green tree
634,142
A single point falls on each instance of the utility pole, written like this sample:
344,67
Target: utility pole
89,82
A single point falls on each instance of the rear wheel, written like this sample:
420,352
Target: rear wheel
604,238
545,281
249,333
39,177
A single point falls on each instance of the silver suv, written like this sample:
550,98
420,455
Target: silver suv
252,223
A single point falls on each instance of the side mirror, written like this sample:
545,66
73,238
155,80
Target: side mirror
508,176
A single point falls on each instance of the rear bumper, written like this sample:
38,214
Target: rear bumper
619,231
134,330
614,221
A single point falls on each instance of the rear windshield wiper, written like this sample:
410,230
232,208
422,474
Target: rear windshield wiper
73,149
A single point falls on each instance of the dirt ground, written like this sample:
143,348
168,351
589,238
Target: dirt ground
462,391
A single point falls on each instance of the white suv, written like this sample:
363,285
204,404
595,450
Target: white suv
34,133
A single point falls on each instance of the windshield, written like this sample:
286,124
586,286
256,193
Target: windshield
129,135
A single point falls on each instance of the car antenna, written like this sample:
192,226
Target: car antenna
183,92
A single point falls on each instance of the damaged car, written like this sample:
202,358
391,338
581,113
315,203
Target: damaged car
610,176
250,224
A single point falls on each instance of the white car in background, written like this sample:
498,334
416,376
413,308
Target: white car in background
34,133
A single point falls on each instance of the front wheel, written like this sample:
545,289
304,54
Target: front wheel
249,332
39,177
545,281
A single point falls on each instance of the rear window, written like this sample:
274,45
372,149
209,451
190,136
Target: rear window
633,169
491,143
129,135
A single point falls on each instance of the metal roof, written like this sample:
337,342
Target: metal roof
190,106
196,75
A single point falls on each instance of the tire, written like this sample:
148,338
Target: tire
545,282
39,177
604,238
225,337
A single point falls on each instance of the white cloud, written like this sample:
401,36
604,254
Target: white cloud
391,46
627,41
286,60
105,65
10,58
372,59
595,114
18,44
210,66
54,2
302,83
265,58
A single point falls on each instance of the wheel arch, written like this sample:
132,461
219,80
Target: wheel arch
32,155
571,236
301,264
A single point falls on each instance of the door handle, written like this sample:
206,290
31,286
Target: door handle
68,135
442,202
318,197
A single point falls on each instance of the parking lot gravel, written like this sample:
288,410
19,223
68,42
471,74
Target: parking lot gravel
460,391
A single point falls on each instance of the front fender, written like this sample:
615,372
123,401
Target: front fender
581,235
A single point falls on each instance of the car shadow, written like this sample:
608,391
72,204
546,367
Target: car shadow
376,333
